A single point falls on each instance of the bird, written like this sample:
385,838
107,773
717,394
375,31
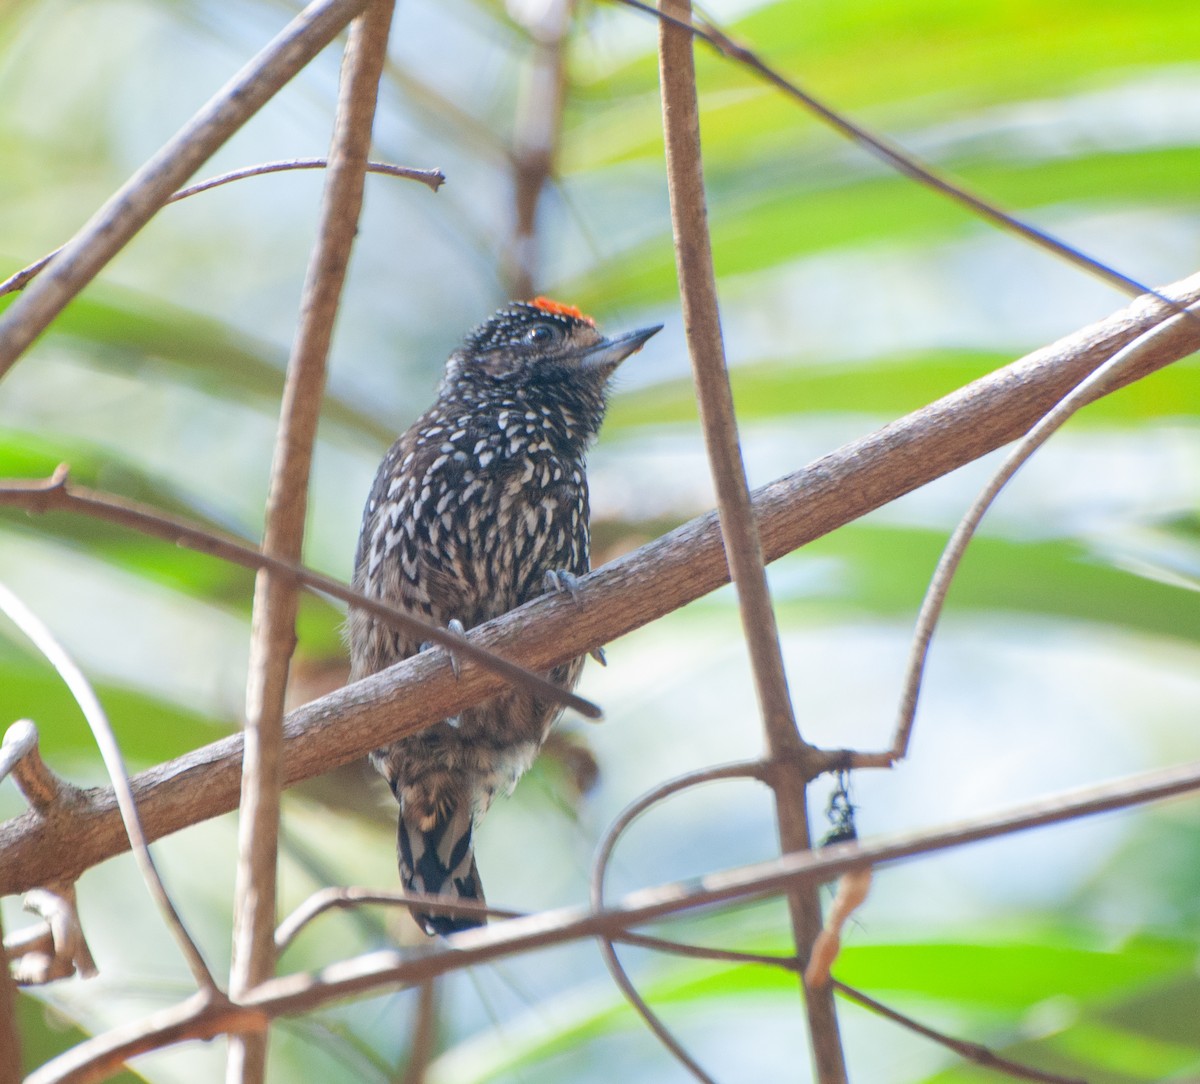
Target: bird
480,506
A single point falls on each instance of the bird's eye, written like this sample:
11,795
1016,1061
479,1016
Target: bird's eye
540,335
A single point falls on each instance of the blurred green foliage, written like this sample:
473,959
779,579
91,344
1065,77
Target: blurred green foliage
850,297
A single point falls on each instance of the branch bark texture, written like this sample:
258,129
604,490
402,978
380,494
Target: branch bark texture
681,566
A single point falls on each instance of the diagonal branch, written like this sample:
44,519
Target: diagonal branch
902,161
628,593
58,494
385,969
140,198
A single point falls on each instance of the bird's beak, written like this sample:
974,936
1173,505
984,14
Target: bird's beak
609,353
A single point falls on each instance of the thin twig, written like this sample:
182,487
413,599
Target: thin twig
1098,383
900,160
625,594
423,1040
702,324
137,201
745,770
89,704
57,493
537,129
434,178
332,899
976,1053
273,635
325,900
300,993
973,1052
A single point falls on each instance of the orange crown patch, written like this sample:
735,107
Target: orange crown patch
547,304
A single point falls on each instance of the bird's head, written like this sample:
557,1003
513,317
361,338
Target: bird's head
543,341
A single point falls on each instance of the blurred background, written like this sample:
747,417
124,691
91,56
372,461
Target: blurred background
1070,650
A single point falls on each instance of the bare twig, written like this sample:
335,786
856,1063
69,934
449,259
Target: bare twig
294,994
702,324
628,593
58,494
274,624
136,202
536,132
423,1040
744,770
328,899
976,1053
434,178
89,704
1098,383
331,899
900,160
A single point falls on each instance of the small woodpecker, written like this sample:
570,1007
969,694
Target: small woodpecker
480,507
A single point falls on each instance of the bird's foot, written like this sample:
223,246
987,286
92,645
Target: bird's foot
559,579
455,626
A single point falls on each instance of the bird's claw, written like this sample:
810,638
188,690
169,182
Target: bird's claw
455,626
559,579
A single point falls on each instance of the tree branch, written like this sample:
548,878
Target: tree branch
434,178
140,198
57,494
898,159
626,594
303,992
273,636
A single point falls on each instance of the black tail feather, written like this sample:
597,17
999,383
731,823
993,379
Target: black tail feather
440,862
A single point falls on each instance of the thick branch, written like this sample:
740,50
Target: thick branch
140,198
630,592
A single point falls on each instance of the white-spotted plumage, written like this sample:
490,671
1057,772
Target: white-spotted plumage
471,507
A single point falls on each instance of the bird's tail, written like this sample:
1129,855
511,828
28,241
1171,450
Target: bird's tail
439,861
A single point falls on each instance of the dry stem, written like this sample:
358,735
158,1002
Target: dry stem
902,161
110,752
58,494
1095,385
702,323
434,178
300,993
273,637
